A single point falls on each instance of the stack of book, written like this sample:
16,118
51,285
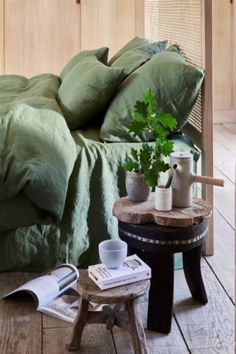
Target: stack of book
133,269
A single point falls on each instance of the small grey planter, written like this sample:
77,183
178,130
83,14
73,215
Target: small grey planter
137,188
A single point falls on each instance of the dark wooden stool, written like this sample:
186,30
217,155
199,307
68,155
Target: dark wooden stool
157,244
126,294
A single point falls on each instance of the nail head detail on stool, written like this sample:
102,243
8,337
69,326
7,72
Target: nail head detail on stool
126,294
155,236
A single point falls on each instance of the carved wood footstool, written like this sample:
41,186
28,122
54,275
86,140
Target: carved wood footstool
129,319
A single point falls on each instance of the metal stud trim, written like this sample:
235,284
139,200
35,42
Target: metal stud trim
162,242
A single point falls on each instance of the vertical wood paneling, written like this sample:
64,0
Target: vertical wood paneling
110,23
234,57
139,18
1,37
40,35
207,123
125,22
222,53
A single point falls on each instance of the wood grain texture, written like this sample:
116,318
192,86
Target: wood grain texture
90,291
220,350
20,323
79,324
157,343
136,328
223,261
96,339
207,116
224,161
226,138
234,56
226,195
51,322
110,23
207,326
40,35
142,213
2,35
231,126
224,116
222,44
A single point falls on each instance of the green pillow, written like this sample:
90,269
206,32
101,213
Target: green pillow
135,43
87,90
174,83
134,57
101,54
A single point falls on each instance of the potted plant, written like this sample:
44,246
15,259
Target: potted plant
145,164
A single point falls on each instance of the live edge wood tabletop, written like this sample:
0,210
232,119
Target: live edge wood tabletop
155,236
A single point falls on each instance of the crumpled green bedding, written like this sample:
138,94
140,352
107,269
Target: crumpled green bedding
97,181
37,152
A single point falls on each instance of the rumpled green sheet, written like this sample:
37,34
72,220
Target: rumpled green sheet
37,152
96,183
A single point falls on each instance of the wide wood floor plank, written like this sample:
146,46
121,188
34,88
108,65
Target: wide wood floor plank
224,161
220,350
204,326
225,137
223,260
20,323
230,126
157,343
51,322
96,339
224,198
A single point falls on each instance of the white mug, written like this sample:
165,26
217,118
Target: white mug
163,198
112,253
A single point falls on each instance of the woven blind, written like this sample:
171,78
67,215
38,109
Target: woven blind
181,22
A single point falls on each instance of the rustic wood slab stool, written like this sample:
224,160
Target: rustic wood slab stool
155,236
126,294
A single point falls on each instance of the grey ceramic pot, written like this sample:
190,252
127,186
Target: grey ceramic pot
137,188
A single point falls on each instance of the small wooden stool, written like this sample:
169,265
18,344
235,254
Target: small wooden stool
126,294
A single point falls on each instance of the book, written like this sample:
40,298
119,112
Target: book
54,291
133,269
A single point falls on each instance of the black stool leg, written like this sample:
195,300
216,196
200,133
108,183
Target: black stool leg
160,306
192,271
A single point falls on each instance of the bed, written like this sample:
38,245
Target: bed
63,211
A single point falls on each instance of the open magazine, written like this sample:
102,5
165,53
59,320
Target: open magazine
54,291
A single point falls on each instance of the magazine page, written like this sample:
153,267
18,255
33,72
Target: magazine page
65,306
50,284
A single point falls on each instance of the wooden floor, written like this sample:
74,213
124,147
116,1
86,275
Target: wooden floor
195,329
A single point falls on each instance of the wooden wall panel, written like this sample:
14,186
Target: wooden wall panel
1,37
234,57
110,23
40,35
222,54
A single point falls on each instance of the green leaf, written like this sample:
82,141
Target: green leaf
141,107
150,101
167,147
167,121
135,154
137,127
145,155
130,165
